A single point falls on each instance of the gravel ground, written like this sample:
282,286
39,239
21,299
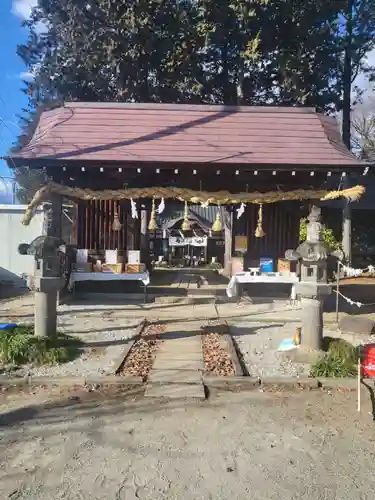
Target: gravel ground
217,361
141,357
258,344
299,446
93,361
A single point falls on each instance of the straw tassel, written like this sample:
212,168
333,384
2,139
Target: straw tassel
116,224
185,226
153,225
259,233
216,226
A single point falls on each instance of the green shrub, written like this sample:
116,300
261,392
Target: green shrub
328,236
19,346
340,360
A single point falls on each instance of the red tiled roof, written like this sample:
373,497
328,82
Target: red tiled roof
111,132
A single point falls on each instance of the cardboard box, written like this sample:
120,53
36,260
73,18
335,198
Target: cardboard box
112,268
135,268
283,266
114,256
134,257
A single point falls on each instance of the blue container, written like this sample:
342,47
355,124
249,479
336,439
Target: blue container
266,265
6,326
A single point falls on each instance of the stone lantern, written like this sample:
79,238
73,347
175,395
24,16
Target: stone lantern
313,286
46,280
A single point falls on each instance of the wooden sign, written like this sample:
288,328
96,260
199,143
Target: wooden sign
240,244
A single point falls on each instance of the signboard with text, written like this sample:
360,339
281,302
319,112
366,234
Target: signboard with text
194,241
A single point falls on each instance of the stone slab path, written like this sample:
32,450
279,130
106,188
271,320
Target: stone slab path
178,367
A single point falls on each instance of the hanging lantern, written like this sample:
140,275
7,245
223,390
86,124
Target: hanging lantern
259,233
153,225
185,226
116,224
216,226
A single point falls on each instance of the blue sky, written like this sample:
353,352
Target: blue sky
12,100
12,12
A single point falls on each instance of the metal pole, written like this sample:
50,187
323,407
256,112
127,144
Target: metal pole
337,290
359,385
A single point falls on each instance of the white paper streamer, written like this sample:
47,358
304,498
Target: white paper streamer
241,210
133,209
161,207
355,273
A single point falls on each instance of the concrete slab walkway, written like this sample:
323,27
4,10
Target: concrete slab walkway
178,367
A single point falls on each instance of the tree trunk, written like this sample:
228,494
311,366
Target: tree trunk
347,75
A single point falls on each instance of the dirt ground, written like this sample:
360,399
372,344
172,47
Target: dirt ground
249,445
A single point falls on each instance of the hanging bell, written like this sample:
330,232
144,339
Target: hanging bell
185,226
153,225
116,224
259,233
216,226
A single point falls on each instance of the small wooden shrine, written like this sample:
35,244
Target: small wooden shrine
123,163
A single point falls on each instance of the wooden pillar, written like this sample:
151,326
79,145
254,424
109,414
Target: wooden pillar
52,216
347,226
130,237
228,240
144,236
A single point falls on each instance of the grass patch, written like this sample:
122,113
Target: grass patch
20,346
339,361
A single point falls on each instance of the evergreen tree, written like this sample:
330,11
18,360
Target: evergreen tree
357,40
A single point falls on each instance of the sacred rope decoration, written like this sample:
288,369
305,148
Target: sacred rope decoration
186,195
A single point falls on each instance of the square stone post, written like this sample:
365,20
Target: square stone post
228,241
52,216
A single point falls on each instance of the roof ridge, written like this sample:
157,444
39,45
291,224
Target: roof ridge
186,107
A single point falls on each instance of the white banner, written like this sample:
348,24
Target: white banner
176,241
195,241
198,241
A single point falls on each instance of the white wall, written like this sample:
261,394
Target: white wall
12,233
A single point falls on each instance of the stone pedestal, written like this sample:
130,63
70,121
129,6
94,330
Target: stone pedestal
45,312
312,299
45,315
312,323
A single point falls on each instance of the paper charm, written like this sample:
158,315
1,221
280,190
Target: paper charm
371,269
204,204
241,210
161,207
133,209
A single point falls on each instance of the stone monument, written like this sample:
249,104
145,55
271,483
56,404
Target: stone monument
313,286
